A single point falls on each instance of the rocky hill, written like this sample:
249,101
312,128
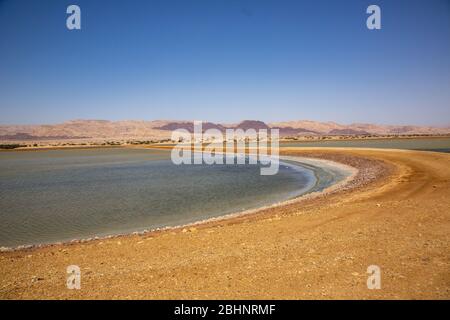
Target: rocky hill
161,129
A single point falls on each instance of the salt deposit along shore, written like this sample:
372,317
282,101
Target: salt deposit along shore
394,213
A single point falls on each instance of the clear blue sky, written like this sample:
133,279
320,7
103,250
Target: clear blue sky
225,60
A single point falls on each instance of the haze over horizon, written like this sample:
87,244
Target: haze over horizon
226,61
227,122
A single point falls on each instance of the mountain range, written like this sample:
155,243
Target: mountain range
161,129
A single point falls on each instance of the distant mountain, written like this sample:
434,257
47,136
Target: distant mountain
25,136
289,131
189,126
244,125
252,124
333,128
161,129
88,129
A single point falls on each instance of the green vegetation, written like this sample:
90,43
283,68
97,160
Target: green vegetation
11,146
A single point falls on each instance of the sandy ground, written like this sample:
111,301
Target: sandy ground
396,214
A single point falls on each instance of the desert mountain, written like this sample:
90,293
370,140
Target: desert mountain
161,129
333,128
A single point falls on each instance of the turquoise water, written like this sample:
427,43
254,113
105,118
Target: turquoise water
60,195
431,144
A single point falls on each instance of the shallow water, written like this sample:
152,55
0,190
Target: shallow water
426,144
59,195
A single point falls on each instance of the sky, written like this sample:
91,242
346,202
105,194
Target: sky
225,61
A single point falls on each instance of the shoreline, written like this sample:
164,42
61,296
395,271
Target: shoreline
284,141
352,172
395,214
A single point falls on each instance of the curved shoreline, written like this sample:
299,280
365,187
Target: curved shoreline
310,193
394,214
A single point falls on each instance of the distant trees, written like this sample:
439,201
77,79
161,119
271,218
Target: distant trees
11,146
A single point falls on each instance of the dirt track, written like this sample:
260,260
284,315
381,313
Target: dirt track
317,249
